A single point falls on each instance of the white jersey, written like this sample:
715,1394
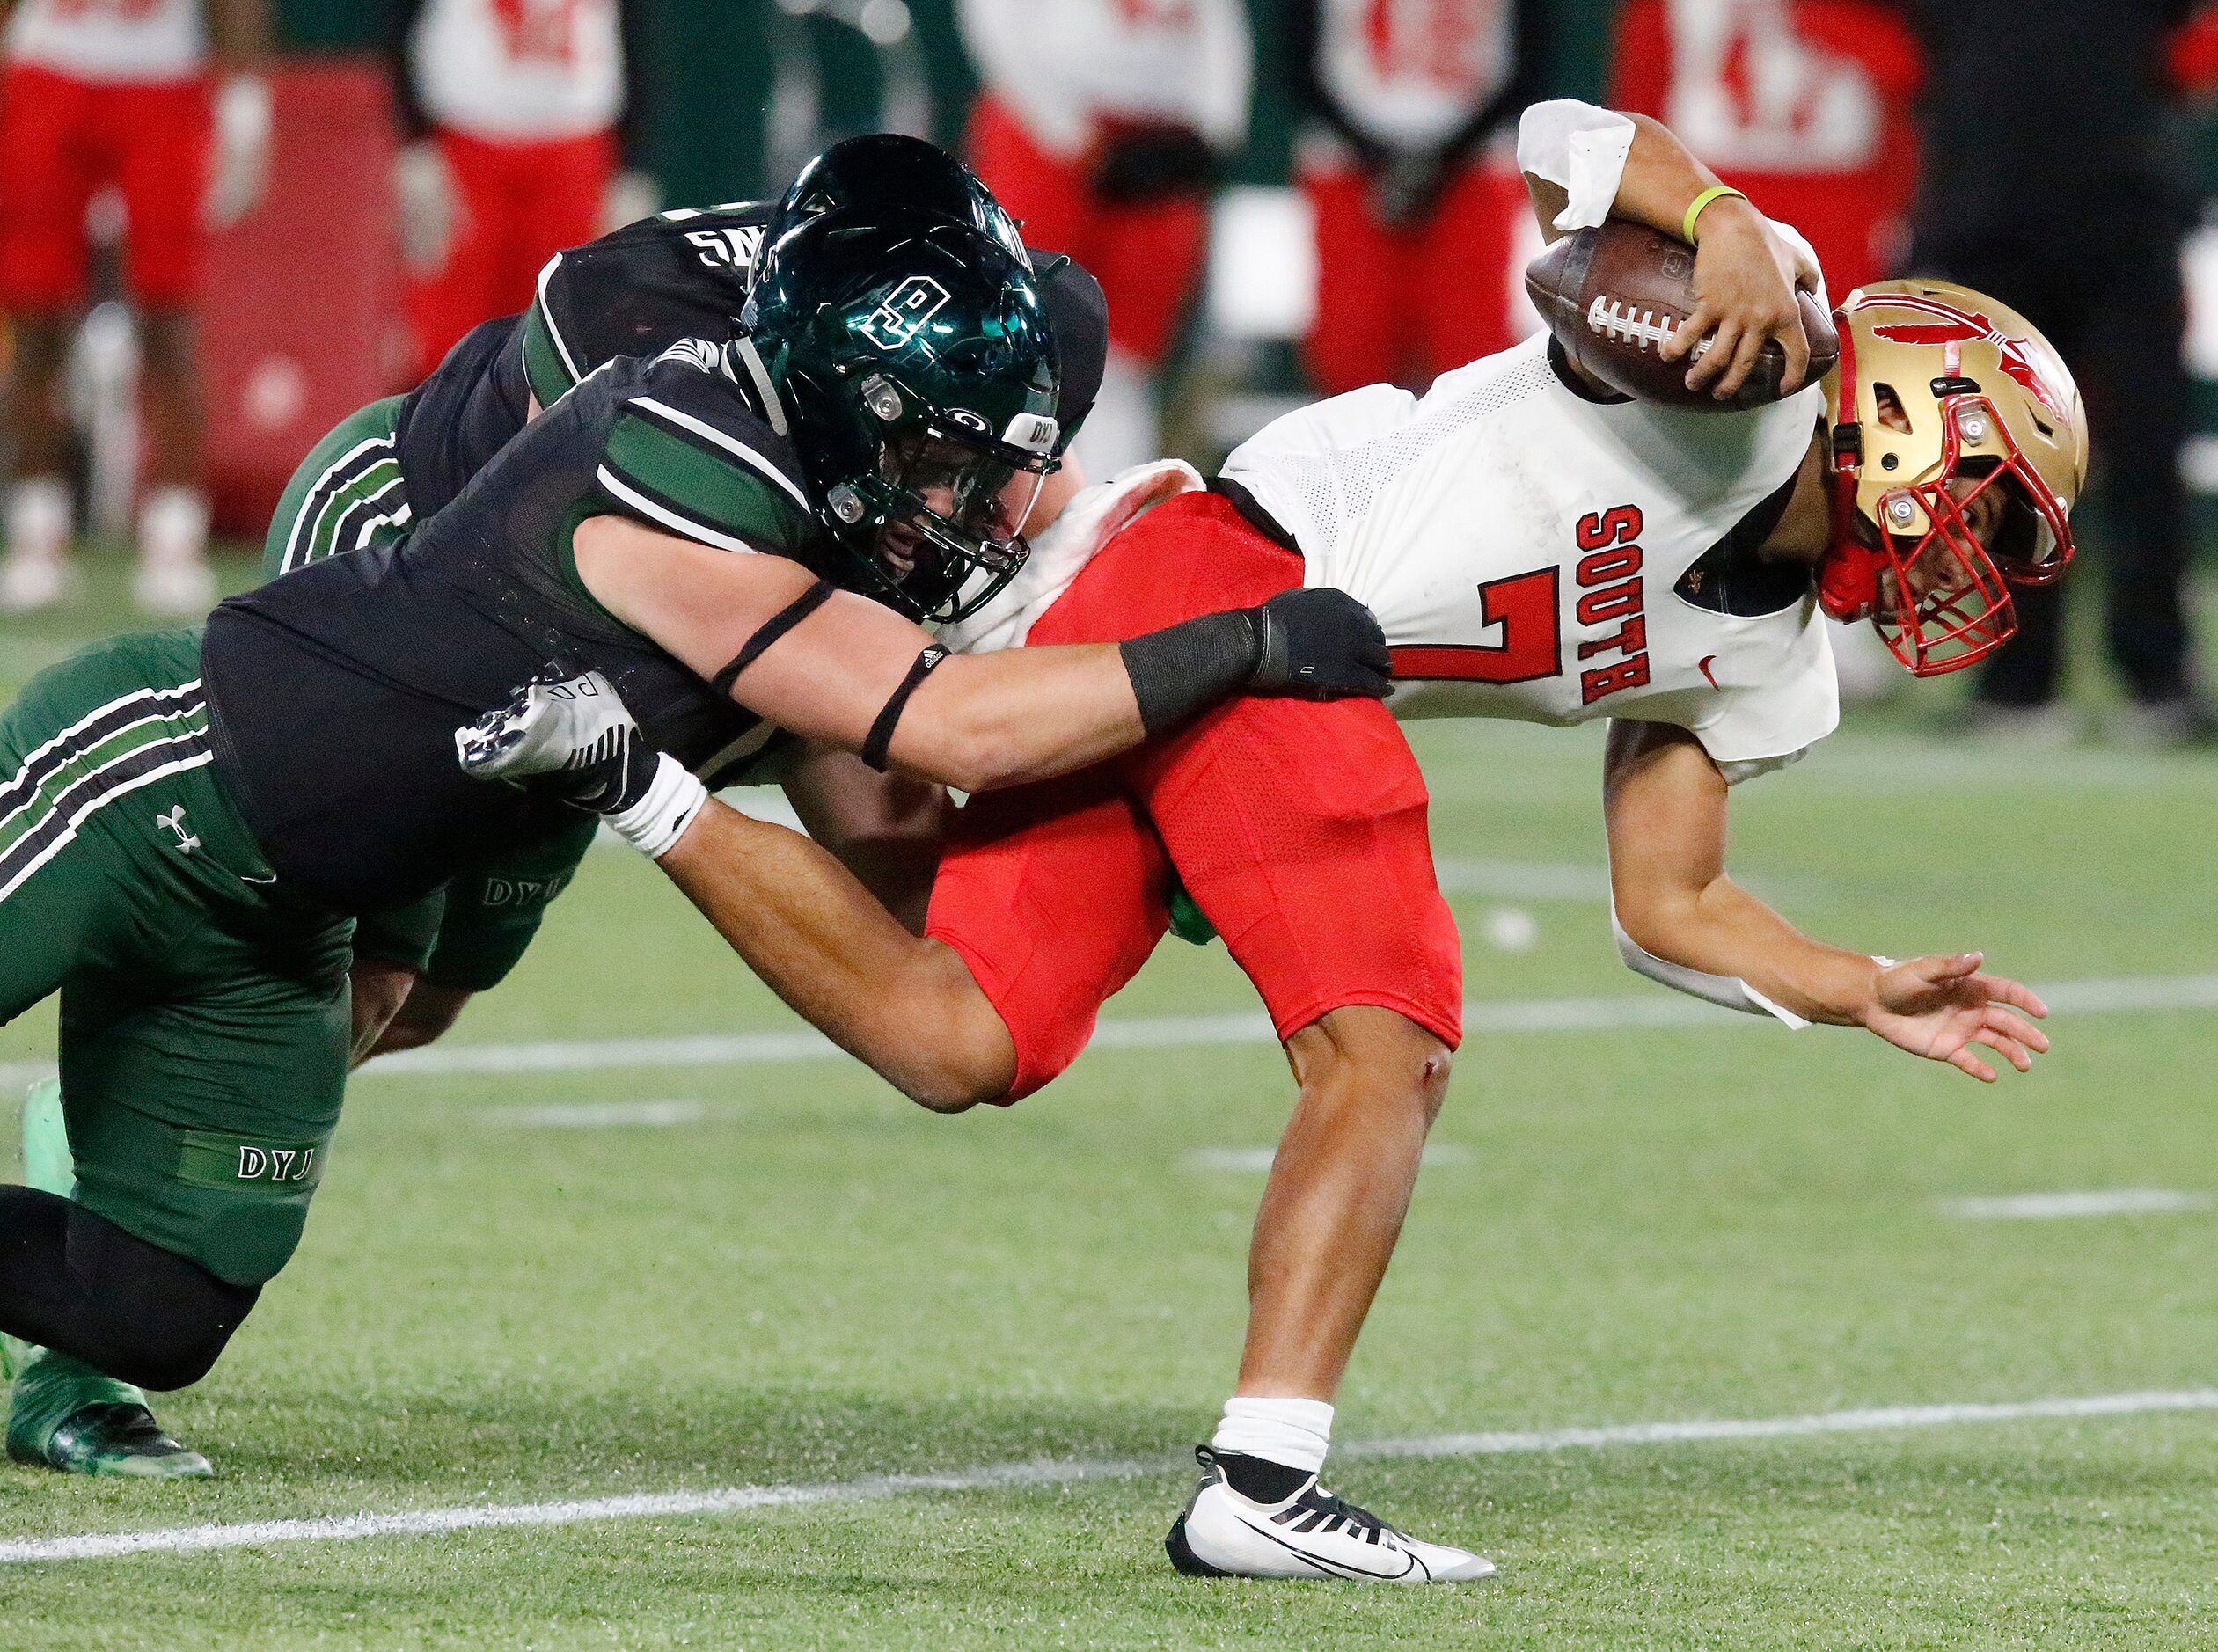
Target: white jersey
519,70
1064,66
1410,72
1531,552
110,42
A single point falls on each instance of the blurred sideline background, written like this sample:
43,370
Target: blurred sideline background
306,311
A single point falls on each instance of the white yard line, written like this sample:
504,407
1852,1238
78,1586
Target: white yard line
2034,1207
1614,1014
741,1499
1487,879
1617,1012
1258,1160
603,1115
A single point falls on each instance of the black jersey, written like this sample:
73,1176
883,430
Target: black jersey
684,274
335,690
451,425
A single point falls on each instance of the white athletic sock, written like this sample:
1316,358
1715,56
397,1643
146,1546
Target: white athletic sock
173,528
1295,1432
39,519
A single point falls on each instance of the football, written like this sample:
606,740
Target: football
1613,295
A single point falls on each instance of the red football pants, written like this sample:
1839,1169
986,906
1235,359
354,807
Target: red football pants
520,204
1298,828
1148,257
1407,305
60,141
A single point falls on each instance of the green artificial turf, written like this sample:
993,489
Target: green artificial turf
804,1280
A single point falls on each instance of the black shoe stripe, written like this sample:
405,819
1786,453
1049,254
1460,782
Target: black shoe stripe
1329,1567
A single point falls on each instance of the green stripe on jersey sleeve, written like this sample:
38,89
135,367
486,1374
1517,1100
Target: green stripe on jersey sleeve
543,368
698,485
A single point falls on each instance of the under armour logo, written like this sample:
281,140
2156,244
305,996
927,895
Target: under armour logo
174,822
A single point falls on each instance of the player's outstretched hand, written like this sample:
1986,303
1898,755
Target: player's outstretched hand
1321,645
1744,280
1940,1007
568,736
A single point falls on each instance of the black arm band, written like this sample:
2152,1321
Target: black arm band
1182,670
881,735
776,627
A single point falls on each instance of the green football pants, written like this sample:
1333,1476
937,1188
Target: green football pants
204,1009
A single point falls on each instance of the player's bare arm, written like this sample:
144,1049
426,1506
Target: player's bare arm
906,1007
1745,274
977,722
886,829
239,36
1665,804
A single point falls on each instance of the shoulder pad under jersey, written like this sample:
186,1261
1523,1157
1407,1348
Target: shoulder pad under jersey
686,451
640,289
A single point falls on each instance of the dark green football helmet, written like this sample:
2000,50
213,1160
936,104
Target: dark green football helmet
890,171
912,353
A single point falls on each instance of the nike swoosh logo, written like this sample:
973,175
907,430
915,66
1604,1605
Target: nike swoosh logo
1331,1567
1703,666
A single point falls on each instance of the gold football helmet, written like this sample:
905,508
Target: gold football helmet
1943,395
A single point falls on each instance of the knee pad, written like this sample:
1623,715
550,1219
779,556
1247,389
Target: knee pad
149,1316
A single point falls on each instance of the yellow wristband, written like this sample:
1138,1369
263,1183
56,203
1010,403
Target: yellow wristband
1716,191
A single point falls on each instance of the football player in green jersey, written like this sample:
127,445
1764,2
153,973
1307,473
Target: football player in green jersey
684,274
739,535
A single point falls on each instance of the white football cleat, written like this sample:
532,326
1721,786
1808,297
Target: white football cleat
1309,1534
181,589
29,583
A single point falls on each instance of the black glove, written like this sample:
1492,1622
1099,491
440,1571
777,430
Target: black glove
1139,163
1319,644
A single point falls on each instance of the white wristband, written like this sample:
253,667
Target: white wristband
655,823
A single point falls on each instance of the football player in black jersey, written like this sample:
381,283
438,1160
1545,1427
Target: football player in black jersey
736,534
685,275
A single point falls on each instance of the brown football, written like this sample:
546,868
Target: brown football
1613,295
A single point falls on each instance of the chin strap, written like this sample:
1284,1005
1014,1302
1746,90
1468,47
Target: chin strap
752,359
1848,576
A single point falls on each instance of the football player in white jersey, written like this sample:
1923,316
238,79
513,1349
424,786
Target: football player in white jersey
164,102
1537,548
